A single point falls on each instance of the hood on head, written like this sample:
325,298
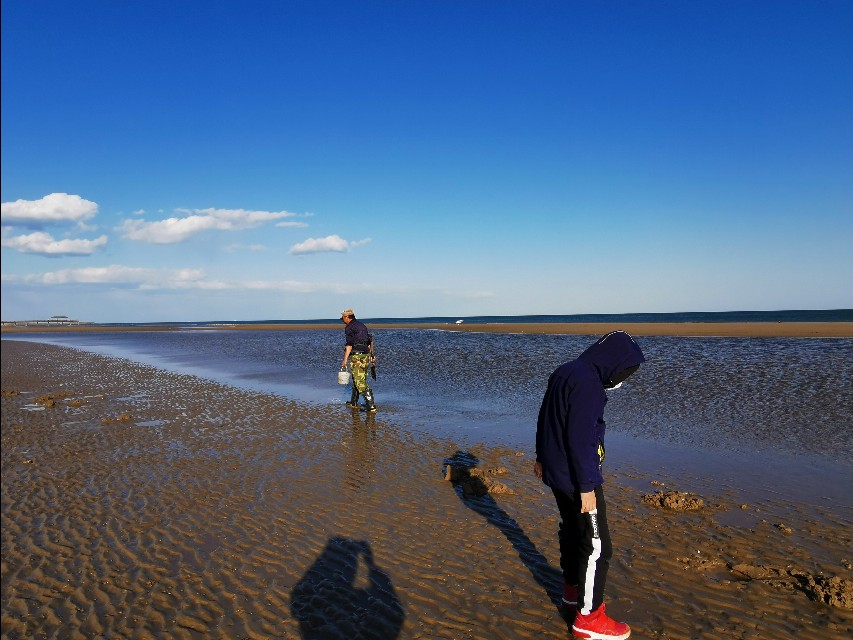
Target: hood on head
612,355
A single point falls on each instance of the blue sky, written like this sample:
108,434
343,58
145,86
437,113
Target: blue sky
261,159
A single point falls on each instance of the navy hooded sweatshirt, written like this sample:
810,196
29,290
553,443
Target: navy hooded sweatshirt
571,418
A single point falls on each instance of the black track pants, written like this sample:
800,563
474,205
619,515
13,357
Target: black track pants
585,548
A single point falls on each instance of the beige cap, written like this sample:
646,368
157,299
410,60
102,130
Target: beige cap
347,312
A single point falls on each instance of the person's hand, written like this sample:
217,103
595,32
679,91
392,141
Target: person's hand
537,469
587,501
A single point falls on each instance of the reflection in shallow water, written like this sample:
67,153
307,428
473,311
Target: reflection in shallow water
150,423
361,445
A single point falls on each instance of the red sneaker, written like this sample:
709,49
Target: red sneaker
599,626
570,595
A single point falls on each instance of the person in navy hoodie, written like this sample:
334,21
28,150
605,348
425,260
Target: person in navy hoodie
569,455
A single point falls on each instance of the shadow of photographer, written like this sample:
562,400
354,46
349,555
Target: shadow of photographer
474,493
362,448
345,595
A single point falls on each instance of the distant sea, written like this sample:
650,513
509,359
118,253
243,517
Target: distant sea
808,315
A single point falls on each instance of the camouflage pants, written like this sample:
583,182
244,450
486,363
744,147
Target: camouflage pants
359,363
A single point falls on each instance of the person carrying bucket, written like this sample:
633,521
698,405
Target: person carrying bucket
358,350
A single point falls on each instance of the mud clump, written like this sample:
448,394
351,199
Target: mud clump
830,590
476,482
674,500
49,400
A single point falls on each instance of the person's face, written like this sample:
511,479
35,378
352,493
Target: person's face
620,377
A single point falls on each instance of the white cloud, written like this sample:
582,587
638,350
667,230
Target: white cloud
56,208
231,248
44,244
292,286
329,244
148,279
174,229
292,224
119,274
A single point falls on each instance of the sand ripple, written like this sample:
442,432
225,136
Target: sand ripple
219,513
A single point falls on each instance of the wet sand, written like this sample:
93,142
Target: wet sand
139,503
719,329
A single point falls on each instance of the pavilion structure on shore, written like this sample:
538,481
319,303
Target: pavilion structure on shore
53,321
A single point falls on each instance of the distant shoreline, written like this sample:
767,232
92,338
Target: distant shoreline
686,329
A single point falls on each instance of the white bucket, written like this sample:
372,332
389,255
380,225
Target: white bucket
343,376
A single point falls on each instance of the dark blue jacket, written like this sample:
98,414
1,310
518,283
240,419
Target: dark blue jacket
357,336
571,418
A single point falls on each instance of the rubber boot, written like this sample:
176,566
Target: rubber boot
353,401
368,398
